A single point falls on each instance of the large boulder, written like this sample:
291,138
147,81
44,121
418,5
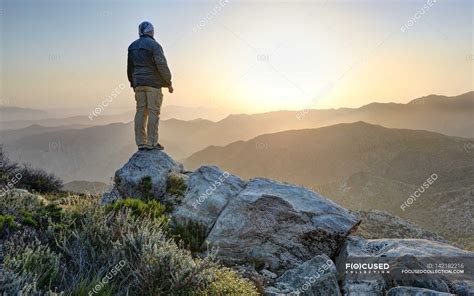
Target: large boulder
279,226
401,257
317,276
209,191
143,176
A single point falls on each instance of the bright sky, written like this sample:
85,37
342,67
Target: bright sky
244,56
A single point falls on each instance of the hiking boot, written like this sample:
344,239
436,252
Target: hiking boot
158,146
144,148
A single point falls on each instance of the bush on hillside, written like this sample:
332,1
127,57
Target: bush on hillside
37,180
12,283
191,233
126,245
37,262
176,185
26,177
7,168
152,209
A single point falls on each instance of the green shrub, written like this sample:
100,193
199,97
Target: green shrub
38,180
145,188
91,242
12,283
227,282
85,286
7,221
28,178
28,219
7,168
155,265
191,233
15,202
139,208
36,260
176,185
44,216
53,212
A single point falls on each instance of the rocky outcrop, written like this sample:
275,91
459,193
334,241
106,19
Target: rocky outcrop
275,225
145,174
209,191
317,276
284,235
279,226
400,255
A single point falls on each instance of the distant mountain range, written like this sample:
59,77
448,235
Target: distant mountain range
14,113
366,167
16,118
358,164
93,153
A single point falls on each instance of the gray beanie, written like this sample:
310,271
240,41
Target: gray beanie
146,28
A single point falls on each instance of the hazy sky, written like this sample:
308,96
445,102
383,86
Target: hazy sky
245,56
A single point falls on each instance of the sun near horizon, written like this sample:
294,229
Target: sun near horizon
239,56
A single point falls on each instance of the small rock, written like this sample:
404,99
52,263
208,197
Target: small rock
413,291
144,175
268,274
317,276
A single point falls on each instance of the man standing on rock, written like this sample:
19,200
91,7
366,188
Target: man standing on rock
147,72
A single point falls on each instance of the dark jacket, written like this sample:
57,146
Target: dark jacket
147,64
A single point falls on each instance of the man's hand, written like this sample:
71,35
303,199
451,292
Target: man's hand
170,89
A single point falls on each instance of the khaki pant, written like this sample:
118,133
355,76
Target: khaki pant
147,118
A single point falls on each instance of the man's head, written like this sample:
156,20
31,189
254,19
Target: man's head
146,28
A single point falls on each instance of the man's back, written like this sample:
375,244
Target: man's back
147,64
147,72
